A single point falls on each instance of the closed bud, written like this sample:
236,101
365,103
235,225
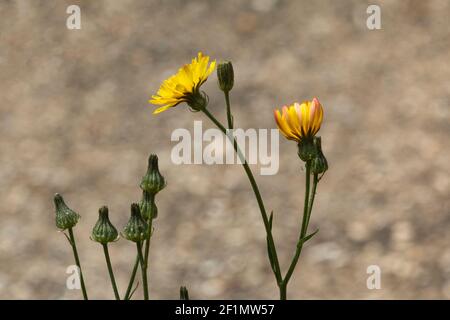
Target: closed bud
66,218
306,149
319,164
184,294
136,229
225,74
148,207
153,181
104,231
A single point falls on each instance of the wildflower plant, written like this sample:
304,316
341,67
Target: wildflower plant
299,122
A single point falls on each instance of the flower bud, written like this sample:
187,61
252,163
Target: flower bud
148,207
66,218
306,149
319,164
225,74
184,293
136,229
153,181
103,231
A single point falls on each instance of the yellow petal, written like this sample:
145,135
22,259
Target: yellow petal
159,110
177,87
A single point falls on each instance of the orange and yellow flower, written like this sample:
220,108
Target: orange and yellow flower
300,121
182,86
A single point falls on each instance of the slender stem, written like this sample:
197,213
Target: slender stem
230,123
146,255
229,116
309,201
77,261
110,270
255,188
283,291
150,222
133,276
143,271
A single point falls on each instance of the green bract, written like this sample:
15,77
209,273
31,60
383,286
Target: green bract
65,217
147,206
319,164
225,75
136,229
104,231
306,149
153,182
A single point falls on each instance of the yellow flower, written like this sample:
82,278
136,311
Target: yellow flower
184,85
300,121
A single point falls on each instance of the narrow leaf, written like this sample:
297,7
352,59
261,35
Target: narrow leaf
134,290
271,220
304,239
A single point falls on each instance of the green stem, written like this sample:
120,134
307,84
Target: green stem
110,270
77,261
147,242
229,116
308,205
133,276
143,271
283,291
146,255
255,188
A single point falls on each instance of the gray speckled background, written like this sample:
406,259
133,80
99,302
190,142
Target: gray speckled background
75,120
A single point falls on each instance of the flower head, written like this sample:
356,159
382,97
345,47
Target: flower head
136,229
104,231
153,182
184,85
66,218
300,121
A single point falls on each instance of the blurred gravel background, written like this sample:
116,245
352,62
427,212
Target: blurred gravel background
75,120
